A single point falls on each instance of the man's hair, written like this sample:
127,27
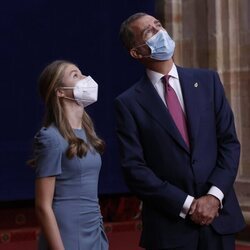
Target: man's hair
126,34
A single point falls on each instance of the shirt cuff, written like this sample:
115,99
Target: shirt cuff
186,206
217,193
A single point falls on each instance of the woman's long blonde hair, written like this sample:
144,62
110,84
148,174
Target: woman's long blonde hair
49,80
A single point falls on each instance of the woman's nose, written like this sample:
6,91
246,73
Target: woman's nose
82,77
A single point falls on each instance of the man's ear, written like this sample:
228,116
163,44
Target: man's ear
135,54
59,92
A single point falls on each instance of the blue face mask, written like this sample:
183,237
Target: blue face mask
161,45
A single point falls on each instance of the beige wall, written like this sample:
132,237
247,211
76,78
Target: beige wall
215,34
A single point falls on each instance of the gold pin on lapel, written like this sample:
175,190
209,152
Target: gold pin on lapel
196,84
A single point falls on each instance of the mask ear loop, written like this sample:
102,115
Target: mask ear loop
65,88
138,46
62,94
78,101
135,54
58,91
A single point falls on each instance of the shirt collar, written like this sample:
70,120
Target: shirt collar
155,77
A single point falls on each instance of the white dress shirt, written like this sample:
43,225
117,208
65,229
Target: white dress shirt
156,79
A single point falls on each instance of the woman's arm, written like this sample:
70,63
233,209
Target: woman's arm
43,204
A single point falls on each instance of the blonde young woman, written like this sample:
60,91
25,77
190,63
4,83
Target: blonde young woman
67,162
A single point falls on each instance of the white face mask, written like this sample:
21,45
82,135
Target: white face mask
85,91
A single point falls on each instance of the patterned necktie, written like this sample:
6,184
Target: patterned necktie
175,109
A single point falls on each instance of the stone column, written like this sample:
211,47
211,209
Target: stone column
215,34
229,39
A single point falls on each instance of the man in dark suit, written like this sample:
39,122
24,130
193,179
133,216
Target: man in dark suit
179,148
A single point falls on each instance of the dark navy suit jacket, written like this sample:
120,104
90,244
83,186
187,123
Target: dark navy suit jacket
162,171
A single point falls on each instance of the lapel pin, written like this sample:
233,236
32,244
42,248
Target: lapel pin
196,84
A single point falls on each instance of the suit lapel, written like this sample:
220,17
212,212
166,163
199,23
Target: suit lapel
149,99
191,101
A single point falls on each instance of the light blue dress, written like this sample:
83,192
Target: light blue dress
75,202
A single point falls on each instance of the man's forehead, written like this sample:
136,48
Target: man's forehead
143,21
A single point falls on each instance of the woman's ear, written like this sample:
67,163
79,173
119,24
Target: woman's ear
135,54
59,92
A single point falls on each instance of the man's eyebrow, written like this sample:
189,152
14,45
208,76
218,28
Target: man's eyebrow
157,22
149,27
145,29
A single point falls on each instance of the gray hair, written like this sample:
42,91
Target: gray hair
126,34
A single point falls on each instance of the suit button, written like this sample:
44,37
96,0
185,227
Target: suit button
193,162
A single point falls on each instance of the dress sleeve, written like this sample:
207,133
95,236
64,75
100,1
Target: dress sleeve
47,153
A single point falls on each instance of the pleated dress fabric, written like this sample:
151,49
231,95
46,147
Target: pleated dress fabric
75,201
